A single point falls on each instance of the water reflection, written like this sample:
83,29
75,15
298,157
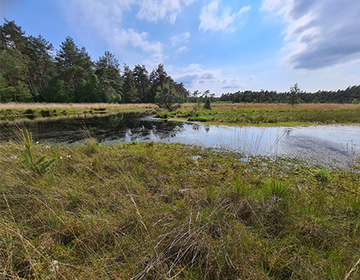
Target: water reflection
196,127
335,145
118,128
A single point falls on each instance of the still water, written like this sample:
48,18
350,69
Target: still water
325,145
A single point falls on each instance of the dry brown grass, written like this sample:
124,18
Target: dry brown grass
19,112
309,106
24,106
219,106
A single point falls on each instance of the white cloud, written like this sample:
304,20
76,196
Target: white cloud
182,49
320,33
196,78
123,37
180,39
105,18
153,10
211,20
194,74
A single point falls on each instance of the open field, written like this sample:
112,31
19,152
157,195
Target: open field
149,211
270,114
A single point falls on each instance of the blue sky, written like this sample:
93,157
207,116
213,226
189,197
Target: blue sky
220,45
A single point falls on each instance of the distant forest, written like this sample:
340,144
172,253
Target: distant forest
31,70
349,95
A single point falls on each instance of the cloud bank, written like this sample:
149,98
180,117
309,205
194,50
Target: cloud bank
320,33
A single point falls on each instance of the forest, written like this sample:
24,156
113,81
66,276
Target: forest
31,70
349,95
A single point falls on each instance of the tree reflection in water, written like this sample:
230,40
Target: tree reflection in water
320,144
120,128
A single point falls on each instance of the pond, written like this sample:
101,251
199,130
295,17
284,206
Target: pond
332,145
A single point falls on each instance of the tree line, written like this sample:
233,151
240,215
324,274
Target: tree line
295,95
31,70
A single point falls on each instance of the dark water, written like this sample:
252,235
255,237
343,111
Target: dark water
324,145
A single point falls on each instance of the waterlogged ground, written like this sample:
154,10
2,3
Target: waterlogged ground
331,145
155,211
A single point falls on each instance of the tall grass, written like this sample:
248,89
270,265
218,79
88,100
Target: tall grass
150,211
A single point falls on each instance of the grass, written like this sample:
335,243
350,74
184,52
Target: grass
39,111
271,114
221,113
150,211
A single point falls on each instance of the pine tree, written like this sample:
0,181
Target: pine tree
108,73
294,95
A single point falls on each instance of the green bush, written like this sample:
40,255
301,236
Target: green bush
29,112
162,115
45,113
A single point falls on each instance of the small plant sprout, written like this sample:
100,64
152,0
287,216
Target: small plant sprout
37,165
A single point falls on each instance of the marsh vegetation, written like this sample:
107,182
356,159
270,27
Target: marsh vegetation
155,211
271,114
30,111
162,211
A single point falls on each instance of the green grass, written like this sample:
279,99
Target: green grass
222,113
273,115
150,211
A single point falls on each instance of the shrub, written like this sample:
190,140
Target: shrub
45,113
29,112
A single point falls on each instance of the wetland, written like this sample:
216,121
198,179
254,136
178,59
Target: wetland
326,145
135,197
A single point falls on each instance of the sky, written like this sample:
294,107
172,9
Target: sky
217,45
